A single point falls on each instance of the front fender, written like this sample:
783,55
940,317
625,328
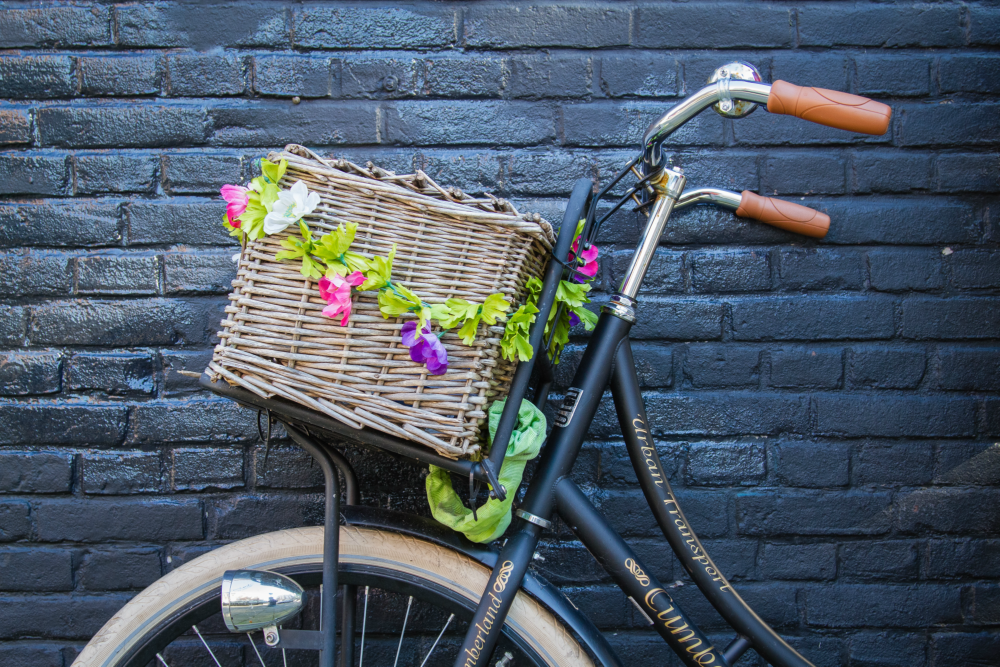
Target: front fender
535,586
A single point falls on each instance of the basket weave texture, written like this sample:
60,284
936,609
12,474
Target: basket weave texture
276,342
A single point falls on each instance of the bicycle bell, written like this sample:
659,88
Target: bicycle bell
728,107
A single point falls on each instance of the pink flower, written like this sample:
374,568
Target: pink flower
237,202
336,291
589,256
425,348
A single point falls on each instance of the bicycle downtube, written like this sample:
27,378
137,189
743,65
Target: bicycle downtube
686,545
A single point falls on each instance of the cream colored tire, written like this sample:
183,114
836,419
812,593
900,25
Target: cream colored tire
299,548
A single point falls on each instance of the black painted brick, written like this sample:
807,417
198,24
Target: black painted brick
643,74
35,472
76,223
36,570
119,569
375,27
120,75
176,220
975,648
956,318
579,26
218,421
812,464
903,221
33,174
774,513
37,76
820,269
885,26
893,462
272,122
117,473
665,273
188,272
894,416
470,76
121,126
880,74
804,173
29,372
25,654
966,172
15,522
905,269
55,26
15,127
974,269
241,516
98,520
947,510
200,173
725,464
512,123
35,273
55,423
969,74
886,367
386,77
122,323
886,647
116,373
730,270
195,469
291,75
965,463
206,75
678,319
953,558
890,171
970,369
726,413
813,318
889,559
984,25
708,366
12,325
798,561
550,76
607,123
177,26
806,368
116,172
948,124
118,274
822,70
713,25
176,384
882,605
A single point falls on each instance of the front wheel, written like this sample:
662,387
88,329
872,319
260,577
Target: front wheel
415,600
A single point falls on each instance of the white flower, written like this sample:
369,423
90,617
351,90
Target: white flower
289,208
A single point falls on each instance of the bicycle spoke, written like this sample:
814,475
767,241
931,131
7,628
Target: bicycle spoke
256,651
197,632
434,645
402,632
364,619
160,658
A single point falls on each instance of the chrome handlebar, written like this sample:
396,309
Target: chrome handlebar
721,198
751,91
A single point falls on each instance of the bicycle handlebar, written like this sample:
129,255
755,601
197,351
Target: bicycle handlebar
829,107
778,213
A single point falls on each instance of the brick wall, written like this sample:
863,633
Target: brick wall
827,408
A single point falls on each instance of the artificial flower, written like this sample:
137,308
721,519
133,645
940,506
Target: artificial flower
236,202
589,256
425,348
337,292
290,207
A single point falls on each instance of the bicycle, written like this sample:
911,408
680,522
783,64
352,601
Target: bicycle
502,607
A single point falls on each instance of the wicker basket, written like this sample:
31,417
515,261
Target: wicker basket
276,342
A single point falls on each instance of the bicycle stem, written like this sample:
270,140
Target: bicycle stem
668,185
750,91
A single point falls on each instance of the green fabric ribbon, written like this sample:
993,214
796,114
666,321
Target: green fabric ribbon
494,516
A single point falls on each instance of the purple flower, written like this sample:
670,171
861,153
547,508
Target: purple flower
574,319
425,348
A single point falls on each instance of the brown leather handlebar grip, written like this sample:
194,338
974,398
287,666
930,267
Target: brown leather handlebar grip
784,215
829,107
